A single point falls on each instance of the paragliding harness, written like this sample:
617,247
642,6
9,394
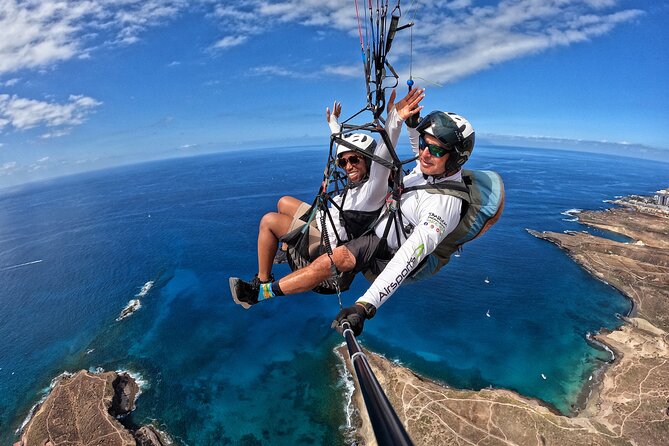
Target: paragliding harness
379,38
355,223
482,192
482,195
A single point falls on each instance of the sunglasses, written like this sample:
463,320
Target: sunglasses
353,159
435,150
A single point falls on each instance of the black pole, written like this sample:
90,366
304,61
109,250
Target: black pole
388,428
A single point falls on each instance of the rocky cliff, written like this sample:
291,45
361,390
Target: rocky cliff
629,405
83,409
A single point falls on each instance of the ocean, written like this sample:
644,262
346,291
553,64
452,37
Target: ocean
75,250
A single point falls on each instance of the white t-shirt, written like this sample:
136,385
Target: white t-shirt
371,194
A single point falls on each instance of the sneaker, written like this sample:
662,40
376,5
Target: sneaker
244,293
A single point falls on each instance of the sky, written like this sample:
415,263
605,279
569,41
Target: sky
87,84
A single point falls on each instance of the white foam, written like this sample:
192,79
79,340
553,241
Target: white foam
21,264
145,289
571,212
45,394
590,338
133,305
142,383
570,219
346,381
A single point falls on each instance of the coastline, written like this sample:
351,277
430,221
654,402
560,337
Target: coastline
624,402
88,407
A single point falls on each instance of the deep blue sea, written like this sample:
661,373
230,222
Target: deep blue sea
214,373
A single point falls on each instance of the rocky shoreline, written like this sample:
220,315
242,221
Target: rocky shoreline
628,402
85,408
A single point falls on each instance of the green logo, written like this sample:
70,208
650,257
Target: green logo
419,251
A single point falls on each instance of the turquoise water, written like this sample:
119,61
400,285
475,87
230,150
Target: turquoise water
214,373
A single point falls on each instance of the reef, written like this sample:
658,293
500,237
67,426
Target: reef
629,404
84,409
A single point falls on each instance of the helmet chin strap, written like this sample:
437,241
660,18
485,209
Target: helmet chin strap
435,177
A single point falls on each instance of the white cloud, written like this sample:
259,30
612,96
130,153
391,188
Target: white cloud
276,71
21,113
40,164
343,70
11,82
40,33
450,39
229,42
56,133
9,168
305,72
479,38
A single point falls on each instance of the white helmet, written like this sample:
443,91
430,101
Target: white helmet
363,143
453,131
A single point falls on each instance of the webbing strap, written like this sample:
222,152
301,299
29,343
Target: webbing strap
336,275
454,188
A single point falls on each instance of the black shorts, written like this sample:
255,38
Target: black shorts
371,253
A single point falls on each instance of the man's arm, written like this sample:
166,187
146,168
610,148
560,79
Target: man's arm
413,139
377,184
440,216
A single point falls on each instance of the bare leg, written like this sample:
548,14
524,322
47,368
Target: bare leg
288,205
319,270
272,226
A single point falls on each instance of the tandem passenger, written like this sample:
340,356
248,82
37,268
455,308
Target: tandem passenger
360,203
444,143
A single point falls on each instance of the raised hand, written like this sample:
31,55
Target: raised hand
408,106
336,111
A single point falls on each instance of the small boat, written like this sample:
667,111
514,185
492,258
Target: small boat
487,280
487,313
543,376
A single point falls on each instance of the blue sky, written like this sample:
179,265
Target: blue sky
86,84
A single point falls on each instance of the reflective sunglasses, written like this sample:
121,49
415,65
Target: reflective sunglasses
434,149
353,159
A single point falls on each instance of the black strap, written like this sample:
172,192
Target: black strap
444,185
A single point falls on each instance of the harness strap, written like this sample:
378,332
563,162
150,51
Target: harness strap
453,188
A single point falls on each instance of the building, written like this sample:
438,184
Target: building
661,198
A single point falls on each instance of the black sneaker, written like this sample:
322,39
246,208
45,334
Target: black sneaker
244,293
